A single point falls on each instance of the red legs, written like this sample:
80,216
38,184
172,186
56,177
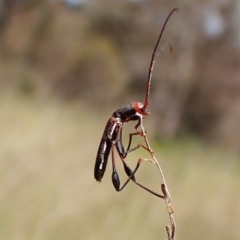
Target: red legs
124,153
138,146
130,173
141,133
119,145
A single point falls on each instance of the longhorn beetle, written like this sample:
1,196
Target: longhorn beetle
112,135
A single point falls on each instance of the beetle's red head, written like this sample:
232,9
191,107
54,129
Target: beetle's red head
141,109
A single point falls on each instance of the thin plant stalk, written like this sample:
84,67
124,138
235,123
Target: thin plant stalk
171,230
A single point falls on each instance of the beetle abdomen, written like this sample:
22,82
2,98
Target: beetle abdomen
102,158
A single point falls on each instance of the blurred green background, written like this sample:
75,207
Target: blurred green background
65,66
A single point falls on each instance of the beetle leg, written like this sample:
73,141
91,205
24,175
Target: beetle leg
130,173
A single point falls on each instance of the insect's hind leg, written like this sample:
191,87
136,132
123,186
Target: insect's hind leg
130,173
120,149
119,143
117,136
122,153
115,177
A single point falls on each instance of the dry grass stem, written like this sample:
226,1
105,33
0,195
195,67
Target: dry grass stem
171,230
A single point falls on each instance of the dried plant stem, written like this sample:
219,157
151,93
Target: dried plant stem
171,230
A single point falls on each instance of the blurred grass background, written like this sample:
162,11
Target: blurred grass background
65,67
48,191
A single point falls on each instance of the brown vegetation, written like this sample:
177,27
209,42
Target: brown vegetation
64,69
48,191
49,48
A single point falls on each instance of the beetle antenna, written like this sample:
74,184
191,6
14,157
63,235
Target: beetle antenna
153,59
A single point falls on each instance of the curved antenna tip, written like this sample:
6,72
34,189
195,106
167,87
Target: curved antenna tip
176,9
153,56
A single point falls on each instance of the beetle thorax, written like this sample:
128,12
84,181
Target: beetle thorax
131,112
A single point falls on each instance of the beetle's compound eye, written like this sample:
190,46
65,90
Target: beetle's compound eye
144,111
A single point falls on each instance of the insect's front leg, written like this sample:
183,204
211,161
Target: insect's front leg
141,133
138,146
140,120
